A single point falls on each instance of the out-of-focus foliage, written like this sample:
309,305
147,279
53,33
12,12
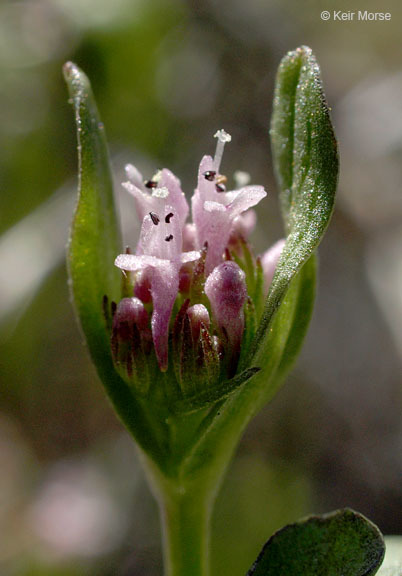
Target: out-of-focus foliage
167,74
392,565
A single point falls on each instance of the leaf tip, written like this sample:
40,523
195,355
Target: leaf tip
70,71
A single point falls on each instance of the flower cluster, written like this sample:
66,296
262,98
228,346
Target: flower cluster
190,284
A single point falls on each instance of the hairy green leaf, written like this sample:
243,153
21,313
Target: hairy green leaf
216,394
306,166
343,543
93,246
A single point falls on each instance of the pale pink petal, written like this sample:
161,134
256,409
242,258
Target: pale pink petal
161,234
243,199
216,231
134,176
210,217
132,263
210,206
144,202
177,199
164,280
205,187
269,261
164,288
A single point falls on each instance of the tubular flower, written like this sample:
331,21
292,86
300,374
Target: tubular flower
159,255
203,271
214,210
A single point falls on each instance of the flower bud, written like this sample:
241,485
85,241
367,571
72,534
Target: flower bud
269,260
131,341
198,315
227,292
196,361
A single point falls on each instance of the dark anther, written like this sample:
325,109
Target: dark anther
209,175
150,184
220,188
154,218
113,307
169,217
128,250
169,238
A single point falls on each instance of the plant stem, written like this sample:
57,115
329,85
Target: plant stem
185,515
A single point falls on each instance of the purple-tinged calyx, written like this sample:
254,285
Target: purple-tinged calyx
131,338
227,293
214,210
196,354
198,316
160,257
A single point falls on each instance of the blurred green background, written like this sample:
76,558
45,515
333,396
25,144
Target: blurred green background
167,75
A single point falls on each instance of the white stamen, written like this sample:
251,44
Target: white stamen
160,192
157,176
223,137
241,178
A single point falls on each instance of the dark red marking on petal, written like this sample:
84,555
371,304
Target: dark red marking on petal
209,175
154,218
150,184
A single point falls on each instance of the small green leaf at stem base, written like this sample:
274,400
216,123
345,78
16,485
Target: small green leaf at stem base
343,543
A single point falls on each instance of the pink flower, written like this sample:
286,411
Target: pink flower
214,210
167,242
159,254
